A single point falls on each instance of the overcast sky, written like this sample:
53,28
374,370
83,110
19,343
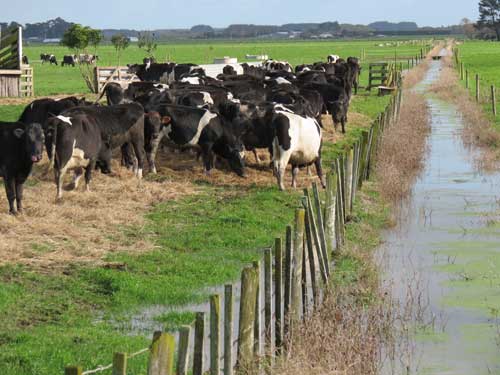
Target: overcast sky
156,14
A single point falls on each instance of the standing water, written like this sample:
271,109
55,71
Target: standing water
444,257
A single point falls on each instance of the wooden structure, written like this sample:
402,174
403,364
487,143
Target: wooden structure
378,75
106,74
16,79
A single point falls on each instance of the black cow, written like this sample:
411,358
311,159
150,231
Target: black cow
25,60
229,70
40,110
165,73
69,60
194,127
45,57
353,63
83,136
20,146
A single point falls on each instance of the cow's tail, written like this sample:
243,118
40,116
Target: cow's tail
101,95
53,148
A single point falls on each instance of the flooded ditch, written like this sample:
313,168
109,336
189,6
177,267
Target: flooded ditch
442,262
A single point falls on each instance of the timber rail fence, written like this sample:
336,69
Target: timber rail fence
484,92
279,291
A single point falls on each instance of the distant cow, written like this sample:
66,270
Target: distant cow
25,60
45,57
297,140
276,66
69,60
85,58
332,59
20,146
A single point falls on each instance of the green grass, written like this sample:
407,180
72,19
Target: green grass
83,315
50,80
483,58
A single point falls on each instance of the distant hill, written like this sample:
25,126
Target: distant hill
384,26
54,29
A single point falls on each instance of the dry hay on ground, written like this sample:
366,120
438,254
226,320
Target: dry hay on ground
87,226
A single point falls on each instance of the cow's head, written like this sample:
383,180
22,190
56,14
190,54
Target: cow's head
231,148
34,139
133,68
337,109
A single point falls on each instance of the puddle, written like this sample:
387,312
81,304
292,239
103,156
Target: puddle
447,249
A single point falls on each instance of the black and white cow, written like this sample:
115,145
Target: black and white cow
45,57
72,137
164,73
276,66
20,146
69,60
297,140
332,59
208,131
85,58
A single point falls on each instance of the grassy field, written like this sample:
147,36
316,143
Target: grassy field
483,58
82,313
52,80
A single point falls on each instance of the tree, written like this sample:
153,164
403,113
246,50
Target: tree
77,38
120,41
468,28
489,15
147,41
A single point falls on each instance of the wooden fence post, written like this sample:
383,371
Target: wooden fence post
331,191
249,284
278,294
199,338
339,210
477,88
214,334
466,78
268,299
73,370
183,355
462,73
257,323
349,174
228,329
493,100
310,252
321,228
161,359
288,279
119,364
298,248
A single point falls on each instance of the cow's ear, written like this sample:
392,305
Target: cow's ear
18,132
166,120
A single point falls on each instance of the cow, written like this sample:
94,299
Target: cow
229,70
51,59
332,59
85,58
276,66
81,137
69,60
353,63
165,73
21,145
38,111
297,140
25,60
208,131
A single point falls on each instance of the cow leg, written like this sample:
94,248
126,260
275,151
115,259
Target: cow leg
343,124
319,171
88,174
19,196
151,156
140,155
129,160
257,159
208,158
59,174
76,178
10,190
295,172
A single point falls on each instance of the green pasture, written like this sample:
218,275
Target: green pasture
52,80
483,58
84,314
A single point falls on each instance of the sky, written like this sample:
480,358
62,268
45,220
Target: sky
168,14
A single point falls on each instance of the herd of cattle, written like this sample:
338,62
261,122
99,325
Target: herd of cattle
83,58
270,107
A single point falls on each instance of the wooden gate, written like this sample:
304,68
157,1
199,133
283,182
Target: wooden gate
378,75
26,82
105,74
